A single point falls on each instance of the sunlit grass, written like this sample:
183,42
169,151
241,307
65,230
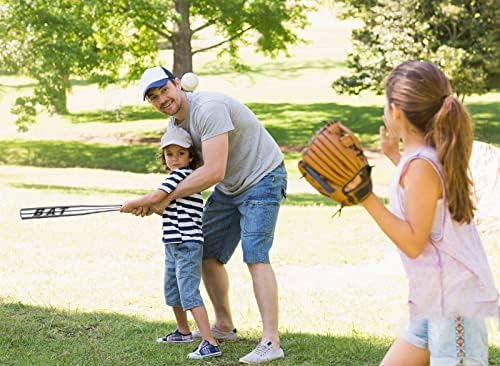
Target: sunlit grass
37,335
87,291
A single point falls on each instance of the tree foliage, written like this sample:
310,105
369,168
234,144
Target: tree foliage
106,40
51,43
461,37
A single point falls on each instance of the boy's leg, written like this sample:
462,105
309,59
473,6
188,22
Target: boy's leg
201,318
181,319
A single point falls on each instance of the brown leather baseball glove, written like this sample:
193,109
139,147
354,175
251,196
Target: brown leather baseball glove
334,163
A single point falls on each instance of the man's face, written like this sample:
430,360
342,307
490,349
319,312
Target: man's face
166,99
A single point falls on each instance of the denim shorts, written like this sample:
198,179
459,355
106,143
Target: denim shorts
451,341
250,216
181,281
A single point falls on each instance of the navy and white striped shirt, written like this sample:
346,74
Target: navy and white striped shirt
182,218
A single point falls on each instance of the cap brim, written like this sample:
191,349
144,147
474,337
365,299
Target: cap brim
156,84
175,142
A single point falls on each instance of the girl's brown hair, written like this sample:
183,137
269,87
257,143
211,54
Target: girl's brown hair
423,92
193,164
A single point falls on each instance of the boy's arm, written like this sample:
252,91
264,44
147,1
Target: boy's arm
215,154
150,199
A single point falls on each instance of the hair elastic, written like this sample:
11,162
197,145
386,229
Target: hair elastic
443,98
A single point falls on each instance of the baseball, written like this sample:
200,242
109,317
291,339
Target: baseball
189,81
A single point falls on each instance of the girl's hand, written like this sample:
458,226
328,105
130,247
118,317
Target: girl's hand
389,144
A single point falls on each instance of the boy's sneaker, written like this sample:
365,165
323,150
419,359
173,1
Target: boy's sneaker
219,335
204,350
263,353
176,337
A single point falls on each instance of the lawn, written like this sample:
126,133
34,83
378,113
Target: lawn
87,290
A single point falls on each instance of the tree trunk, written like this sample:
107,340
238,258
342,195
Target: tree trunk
181,42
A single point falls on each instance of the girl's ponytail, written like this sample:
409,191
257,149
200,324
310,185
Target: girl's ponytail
424,94
451,134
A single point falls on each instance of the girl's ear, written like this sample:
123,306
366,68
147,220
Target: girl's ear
395,112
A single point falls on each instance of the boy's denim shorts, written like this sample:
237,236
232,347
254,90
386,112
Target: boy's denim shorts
250,216
450,341
181,281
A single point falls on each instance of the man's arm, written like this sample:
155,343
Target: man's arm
215,153
149,199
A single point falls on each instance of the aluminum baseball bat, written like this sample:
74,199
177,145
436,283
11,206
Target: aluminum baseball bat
64,211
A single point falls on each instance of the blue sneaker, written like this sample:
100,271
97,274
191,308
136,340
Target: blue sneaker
204,350
176,337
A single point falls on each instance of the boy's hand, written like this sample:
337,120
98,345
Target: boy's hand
128,207
143,211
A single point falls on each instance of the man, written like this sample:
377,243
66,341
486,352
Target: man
246,166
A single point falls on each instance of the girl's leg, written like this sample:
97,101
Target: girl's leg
181,318
201,318
404,353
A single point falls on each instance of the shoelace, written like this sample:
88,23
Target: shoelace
262,349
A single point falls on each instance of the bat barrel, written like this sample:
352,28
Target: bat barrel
64,211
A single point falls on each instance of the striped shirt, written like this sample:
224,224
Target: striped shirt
182,218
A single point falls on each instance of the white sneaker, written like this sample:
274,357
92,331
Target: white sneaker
219,334
263,353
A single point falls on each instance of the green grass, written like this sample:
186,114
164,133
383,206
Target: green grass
293,124
33,335
69,154
87,291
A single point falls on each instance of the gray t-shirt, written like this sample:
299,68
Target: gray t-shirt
252,151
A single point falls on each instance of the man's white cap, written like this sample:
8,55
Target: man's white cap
154,77
177,136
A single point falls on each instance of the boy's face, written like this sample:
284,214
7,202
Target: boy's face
176,157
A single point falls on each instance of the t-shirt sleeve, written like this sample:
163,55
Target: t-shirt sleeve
172,180
215,119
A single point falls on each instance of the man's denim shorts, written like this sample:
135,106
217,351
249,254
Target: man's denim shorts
181,281
250,217
443,338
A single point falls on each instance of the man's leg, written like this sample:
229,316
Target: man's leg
259,214
266,293
216,282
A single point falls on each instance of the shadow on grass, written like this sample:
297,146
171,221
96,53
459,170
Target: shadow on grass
71,154
294,124
33,335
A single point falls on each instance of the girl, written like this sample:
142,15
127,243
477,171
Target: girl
430,221
183,240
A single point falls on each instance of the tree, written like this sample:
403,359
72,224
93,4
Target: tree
104,40
53,43
460,36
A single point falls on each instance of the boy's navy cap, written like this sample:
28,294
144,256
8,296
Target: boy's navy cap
154,77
